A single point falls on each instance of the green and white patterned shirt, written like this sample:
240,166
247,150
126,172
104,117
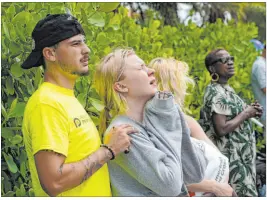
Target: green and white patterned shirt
240,145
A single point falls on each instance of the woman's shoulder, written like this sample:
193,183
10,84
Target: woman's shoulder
212,87
122,119
210,91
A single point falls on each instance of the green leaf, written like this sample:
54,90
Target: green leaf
115,21
123,11
15,49
29,85
85,5
155,24
13,35
16,140
31,192
3,111
82,98
9,85
108,7
236,48
20,32
6,30
97,104
97,20
156,46
22,190
92,109
101,39
9,194
16,70
29,26
219,34
213,36
6,133
20,181
11,11
37,78
23,169
21,18
6,183
31,6
23,156
18,194
95,120
115,26
13,106
10,163
84,16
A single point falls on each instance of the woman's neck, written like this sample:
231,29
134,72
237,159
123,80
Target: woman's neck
136,109
222,80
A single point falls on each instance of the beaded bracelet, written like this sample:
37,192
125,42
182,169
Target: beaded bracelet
112,153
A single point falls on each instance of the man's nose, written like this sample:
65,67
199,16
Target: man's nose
86,49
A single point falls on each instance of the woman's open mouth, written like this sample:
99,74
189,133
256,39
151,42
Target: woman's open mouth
153,82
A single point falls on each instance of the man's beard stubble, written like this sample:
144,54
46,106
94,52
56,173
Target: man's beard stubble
67,69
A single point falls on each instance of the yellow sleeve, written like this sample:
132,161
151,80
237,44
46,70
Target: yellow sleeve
48,127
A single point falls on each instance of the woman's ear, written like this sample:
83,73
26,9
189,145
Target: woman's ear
49,54
119,87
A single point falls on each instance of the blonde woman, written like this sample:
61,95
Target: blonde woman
158,163
172,75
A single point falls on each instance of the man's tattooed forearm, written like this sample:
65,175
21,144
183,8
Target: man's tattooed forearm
91,167
61,168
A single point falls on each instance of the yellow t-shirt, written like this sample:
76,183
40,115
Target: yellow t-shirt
55,120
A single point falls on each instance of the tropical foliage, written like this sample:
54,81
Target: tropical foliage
208,12
105,30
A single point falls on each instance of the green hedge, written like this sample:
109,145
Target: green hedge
105,31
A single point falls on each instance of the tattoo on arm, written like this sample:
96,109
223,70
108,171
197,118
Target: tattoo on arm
61,168
93,165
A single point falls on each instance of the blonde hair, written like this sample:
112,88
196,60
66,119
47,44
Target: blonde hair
107,73
172,75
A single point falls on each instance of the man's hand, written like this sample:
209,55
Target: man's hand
56,176
118,138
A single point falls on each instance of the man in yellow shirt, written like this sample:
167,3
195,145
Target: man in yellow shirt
66,157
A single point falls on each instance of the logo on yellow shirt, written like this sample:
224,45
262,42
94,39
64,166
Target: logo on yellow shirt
77,122
81,120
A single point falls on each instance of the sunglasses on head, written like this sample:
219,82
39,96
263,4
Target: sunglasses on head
224,60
